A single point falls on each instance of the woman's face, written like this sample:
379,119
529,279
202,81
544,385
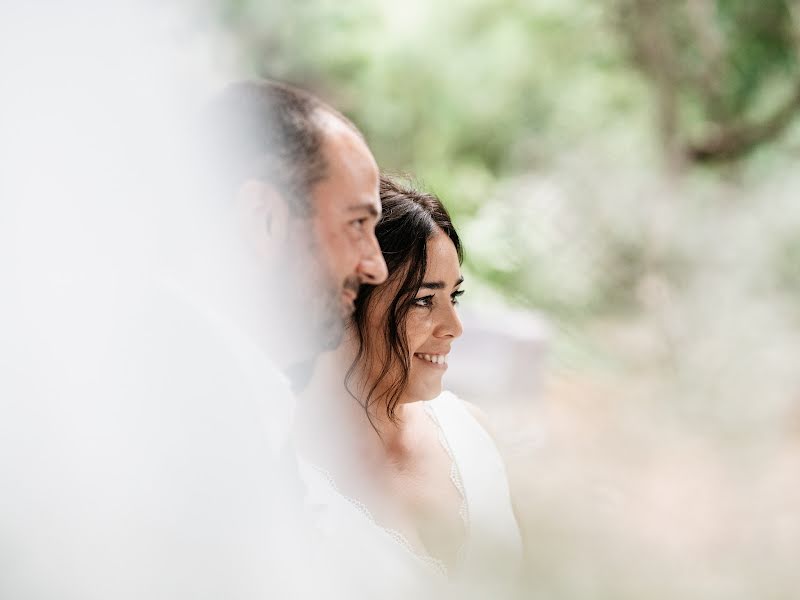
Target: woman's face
432,323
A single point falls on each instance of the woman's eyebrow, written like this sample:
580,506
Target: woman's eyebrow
439,285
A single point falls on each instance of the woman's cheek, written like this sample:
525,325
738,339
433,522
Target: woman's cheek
417,328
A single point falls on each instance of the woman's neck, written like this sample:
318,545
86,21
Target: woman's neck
334,427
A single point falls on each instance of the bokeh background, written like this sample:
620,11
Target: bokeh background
624,176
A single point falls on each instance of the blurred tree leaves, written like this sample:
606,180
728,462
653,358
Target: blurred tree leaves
483,87
472,97
725,73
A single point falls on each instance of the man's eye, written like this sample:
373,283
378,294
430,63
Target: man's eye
359,223
425,301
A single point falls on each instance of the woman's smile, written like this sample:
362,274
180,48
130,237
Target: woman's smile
433,360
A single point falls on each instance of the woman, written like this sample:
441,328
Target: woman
380,441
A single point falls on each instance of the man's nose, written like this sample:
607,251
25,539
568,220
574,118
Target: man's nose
372,268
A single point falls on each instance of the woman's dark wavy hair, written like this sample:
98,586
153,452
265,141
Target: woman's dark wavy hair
410,218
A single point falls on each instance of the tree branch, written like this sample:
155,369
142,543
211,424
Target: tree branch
710,42
738,139
649,33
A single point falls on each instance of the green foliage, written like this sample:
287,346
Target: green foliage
760,43
440,86
469,96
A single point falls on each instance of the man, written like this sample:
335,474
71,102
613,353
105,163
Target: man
156,460
301,189
307,201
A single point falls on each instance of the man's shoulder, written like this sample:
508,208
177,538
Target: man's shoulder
193,359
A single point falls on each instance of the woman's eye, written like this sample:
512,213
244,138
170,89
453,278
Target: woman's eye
455,296
359,223
424,301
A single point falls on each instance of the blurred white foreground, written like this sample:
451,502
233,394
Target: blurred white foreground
137,428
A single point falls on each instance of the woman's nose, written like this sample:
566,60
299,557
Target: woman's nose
450,325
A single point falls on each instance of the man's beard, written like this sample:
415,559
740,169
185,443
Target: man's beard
330,323
318,303
335,315
329,330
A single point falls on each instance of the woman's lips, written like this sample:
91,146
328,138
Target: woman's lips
438,361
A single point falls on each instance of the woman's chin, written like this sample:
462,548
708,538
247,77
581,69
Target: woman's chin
425,392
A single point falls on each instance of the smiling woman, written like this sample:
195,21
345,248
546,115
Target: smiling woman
384,450
414,311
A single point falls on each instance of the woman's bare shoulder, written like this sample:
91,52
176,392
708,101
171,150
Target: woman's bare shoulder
477,413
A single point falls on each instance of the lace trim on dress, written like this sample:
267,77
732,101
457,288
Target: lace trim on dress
455,477
428,560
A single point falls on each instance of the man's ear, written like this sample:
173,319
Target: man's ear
263,216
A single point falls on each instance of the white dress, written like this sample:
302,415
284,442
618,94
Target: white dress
386,563
491,557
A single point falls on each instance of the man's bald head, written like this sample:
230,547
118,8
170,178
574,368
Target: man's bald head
271,131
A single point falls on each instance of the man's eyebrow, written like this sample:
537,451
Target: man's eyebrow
369,207
439,285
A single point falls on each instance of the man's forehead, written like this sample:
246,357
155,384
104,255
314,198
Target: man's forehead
350,184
